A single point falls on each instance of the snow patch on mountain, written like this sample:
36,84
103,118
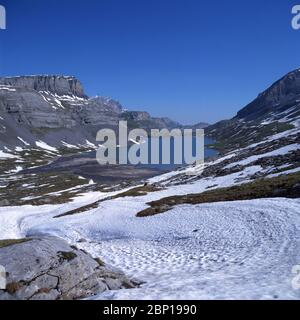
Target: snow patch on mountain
281,151
5,155
44,145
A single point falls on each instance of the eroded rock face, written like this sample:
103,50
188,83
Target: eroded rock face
49,269
55,109
282,95
275,110
60,85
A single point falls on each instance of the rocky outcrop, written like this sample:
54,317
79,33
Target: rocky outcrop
137,116
49,269
59,85
108,104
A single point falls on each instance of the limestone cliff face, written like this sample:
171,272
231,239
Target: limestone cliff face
59,85
56,109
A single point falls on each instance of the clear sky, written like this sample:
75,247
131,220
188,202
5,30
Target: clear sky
191,60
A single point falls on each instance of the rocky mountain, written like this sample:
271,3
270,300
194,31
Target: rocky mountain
59,85
56,110
261,141
275,110
281,97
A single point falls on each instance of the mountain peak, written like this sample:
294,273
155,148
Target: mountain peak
282,94
110,103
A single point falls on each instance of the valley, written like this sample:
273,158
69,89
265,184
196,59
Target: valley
230,232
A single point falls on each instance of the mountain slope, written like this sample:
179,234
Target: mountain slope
275,110
55,109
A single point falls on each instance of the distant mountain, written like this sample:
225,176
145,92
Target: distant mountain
275,110
56,110
200,125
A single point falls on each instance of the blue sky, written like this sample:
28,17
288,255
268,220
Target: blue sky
191,60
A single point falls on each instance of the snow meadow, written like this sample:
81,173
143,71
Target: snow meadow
234,250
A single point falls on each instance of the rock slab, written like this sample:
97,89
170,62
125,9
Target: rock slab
49,268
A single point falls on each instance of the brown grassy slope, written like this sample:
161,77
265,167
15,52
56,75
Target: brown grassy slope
282,186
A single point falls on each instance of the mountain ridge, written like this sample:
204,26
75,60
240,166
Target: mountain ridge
55,109
275,110
57,84
280,93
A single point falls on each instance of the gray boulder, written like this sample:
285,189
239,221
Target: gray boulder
49,269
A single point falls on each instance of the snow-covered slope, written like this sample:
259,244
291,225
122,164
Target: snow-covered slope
241,250
226,250
234,250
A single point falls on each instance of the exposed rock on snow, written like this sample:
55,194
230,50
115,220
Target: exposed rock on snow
48,268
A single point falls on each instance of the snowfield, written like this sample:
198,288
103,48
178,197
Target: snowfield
241,250
232,250
281,151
